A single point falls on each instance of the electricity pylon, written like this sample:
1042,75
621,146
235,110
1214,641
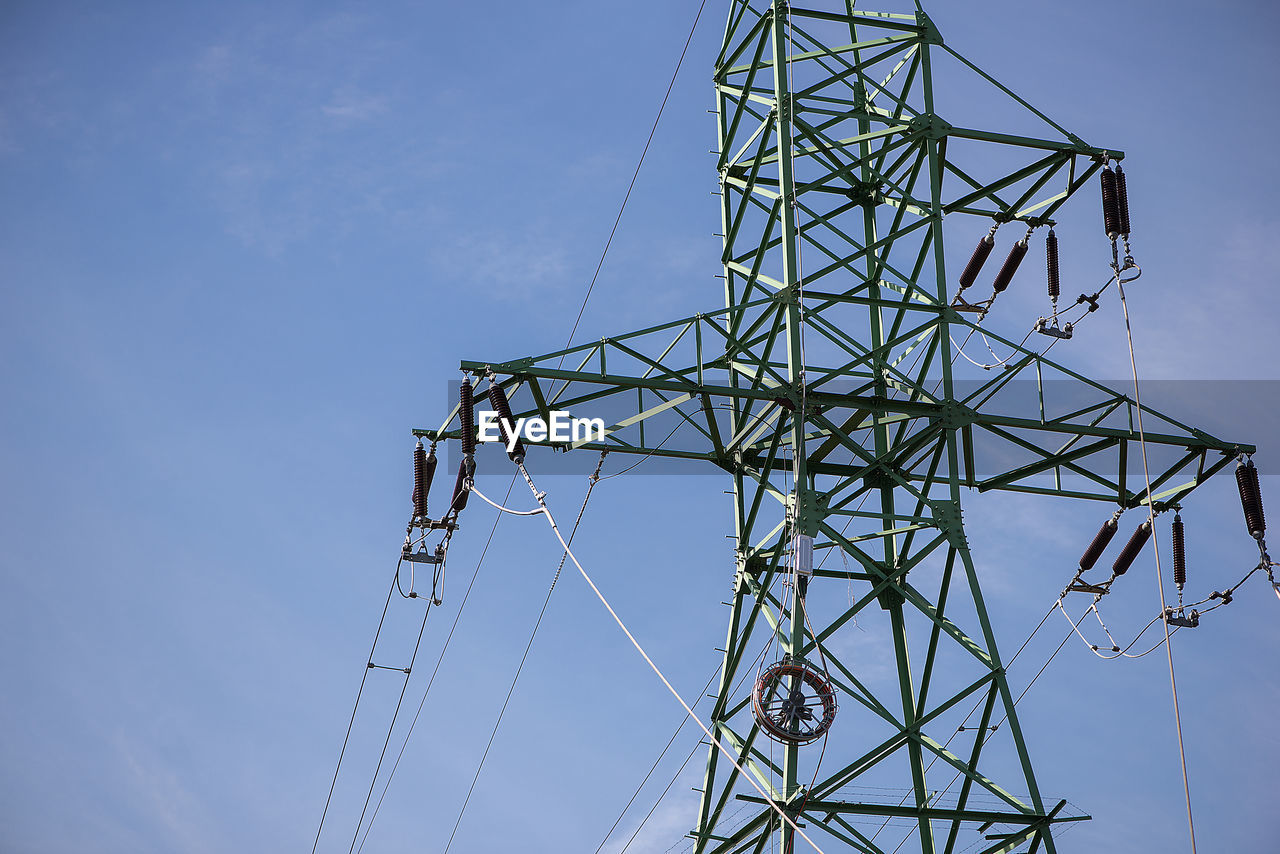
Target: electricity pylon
825,388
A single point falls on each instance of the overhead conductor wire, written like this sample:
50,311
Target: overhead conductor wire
1173,681
391,727
540,497
359,693
683,720
634,176
582,308
595,478
439,660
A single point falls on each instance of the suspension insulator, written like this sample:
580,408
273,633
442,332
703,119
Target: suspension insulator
419,480
498,399
979,257
1010,266
460,491
1179,553
1251,498
1129,553
1099,544
1051,261
467,418
1110,204
1122,202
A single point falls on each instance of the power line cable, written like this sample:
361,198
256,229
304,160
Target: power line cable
431,681
408,671
684,720
540,497
582,308
634,176
595,478
351,723
654,767
960,729
1142,441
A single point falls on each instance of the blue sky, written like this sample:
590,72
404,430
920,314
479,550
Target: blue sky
243,248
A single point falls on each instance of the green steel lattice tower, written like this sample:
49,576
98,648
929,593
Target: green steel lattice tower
825,388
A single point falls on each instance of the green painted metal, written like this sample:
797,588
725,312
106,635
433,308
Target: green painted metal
825,388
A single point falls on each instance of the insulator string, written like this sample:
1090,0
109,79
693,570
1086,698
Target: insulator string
1122,203
467,418
1051,264
979,257
1110,204
1099,543
1179,554
1010,266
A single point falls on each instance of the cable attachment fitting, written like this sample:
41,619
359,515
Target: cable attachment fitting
1180,620
1044,327
1091,300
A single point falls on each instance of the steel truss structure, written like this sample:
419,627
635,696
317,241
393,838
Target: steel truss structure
825,388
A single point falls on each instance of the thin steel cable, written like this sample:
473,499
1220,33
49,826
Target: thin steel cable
595,478
1173,681
658,802
555,529
431,681
568,341
654,767
634,176
408,671
953,735
1116,649
688,758
582,308
359,693
986,736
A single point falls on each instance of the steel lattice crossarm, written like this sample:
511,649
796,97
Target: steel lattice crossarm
826,387
1076,427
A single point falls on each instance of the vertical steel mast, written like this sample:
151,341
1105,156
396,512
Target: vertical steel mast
825,388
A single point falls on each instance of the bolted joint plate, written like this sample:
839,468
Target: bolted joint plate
953,415
950,520
929,33
930,125
811,509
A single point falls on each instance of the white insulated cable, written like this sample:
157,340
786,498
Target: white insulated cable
541,499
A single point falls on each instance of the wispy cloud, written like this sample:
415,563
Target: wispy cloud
508,266
162,794
349,104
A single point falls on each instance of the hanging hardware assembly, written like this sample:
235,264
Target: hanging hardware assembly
793,702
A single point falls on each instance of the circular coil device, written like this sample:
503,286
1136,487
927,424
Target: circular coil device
793,702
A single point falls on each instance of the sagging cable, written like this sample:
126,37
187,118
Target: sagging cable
540,497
